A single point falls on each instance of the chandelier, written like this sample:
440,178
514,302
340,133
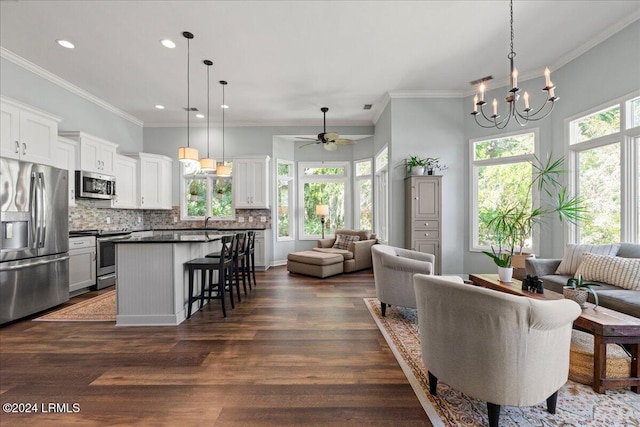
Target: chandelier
522,117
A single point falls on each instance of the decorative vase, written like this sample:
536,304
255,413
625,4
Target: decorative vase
417,170
518,260
429,171
505,274
577,295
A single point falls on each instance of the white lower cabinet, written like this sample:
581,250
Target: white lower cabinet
261,249
82,262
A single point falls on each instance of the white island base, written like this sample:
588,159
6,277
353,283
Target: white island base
152,281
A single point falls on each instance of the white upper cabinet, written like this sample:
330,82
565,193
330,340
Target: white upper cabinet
95,154
64,154
251,183
154,180
126,173
26,133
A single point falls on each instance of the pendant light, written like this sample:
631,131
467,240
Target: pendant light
207,164
188,154
222,169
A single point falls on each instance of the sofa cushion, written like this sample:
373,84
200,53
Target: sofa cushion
629,250
344,240
347,255
362,234
622,272
573,255
622,300
315,258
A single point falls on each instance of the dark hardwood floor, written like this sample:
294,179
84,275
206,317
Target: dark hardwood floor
296,351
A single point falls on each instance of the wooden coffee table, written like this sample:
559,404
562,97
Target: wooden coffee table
607,326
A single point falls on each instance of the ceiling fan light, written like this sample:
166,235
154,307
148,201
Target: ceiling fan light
207,164
331,146
223,170
188,154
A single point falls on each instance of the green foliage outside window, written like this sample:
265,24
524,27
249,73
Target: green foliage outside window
323,193
599,124
283,206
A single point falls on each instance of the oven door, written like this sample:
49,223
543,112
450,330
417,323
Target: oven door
106,254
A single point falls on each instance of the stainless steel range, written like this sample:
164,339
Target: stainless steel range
105,253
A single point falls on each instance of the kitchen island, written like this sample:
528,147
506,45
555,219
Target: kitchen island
152,283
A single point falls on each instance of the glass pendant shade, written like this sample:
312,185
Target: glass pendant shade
223,170
207,164
187,154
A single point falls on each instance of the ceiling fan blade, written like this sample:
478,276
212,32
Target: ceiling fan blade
308,144
331,136
307,138
344,141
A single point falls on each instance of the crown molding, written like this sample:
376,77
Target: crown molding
306,123
400,94
47,75
380,107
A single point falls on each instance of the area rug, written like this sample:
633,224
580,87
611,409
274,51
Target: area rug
578,404
97,309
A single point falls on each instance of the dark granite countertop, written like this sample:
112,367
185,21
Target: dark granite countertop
257,228
177,236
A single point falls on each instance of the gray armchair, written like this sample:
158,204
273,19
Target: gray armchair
393,270
500,348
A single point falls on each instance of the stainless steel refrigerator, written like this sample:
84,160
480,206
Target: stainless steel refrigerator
34,236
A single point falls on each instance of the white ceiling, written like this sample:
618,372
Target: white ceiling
286,59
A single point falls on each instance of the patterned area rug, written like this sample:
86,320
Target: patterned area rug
97,309
578,404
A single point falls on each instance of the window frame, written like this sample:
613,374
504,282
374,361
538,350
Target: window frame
381,212
291,200
209,178
303,179
473,183
356,189
629,139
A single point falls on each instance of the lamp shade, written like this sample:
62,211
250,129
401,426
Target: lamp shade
223,170
187,154
322,210
207,164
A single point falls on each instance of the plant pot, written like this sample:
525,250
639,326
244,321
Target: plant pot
429,171
194,197
505,274
518,261
417,170
577,295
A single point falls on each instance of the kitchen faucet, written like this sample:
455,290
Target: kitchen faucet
206,220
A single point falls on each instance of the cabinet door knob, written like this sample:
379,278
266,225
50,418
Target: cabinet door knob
426,223
142,202
17,147
426,234
24,148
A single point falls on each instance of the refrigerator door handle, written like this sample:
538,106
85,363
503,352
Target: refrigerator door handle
33,263
33,207
43,210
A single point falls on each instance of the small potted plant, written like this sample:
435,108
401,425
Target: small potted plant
193,190
432,164
578,291
503,256
415,165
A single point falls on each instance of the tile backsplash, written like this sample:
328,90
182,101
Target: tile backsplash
89,215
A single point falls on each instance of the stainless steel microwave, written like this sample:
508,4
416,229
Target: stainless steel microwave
90,185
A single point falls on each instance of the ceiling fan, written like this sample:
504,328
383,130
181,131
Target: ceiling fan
329,140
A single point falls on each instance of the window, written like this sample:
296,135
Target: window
501,170
363,195
203,195
381,195
603,146
323,183
285,193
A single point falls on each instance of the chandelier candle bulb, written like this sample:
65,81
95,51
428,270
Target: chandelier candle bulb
495,107
482,88
547,77
551,92
514,79
475,104
526,101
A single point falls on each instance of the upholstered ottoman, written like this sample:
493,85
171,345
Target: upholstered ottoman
317,264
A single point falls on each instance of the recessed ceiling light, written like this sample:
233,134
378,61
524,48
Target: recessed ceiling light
224,106
160,107
200,116
65,43
168,43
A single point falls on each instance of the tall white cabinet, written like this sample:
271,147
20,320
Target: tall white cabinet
27,133
423,215
154,180
251,182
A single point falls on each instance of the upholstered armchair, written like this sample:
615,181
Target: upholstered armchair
500,348
393,270
356,252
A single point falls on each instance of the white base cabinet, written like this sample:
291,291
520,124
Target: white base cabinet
82,262
262,248
26,133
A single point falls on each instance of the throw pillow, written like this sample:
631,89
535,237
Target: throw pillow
344,240
617,271
573,255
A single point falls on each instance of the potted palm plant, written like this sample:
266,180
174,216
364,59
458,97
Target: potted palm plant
578,291
415,165
514,221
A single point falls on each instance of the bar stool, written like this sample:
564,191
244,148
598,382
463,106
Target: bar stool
251,257
233,273
250,260
239,260
210,290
